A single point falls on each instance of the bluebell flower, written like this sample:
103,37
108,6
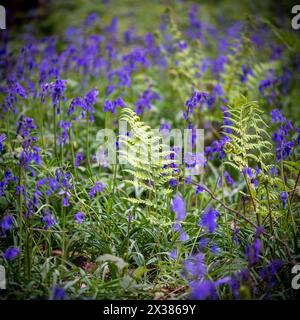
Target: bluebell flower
145,100
199,189
203,290
98,187
78,159
11,253
203,243
173,182
277,116
248,172
253,251
283,197
7,223
86,104
48,220
209,219
64,137
195,266
270,272
58,93
214,249
228,178
59,293
79,217
246,71
178,206
173,254
2,139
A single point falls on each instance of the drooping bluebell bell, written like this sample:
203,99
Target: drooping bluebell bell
79,217
173,254
8,176
209,219
247,171
48,219
2,139
214,249
246,71
283,197
203,243
7,223
228,178
145,100
59,293
203,290
58,93
270,272
65,127
253,251
11,253
86,104
14,90
78,159
277,116
98,187
195,267
178,206
173,182
30,152
199,189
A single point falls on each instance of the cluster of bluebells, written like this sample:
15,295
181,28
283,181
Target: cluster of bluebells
85,104
178,206
30,151
283,136
97,188
112,106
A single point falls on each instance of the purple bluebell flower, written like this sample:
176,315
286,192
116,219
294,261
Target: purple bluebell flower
7,223
228,178
214,249
145,100
246,71
98,187
109,106
253,251
277,116
173,182
178,206
58,93
86,104
64,137
11,253
283,197
2,139
199,189
48,220
203,290
274,171
78,159
79,217
203,243
209,219
269,272
173,254
259,231
195,266
59,293
248,172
